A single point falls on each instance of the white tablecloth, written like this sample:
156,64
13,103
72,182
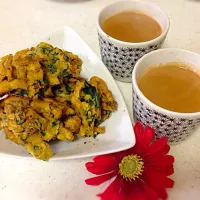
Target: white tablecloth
25,22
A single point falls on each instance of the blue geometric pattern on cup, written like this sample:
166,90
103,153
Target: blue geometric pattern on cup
175,129
120,61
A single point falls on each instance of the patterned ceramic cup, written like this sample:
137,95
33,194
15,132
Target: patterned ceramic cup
175,126
120,57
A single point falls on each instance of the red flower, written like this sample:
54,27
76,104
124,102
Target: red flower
139,173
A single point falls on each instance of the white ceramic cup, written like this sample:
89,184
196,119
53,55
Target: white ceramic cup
175,126
120,57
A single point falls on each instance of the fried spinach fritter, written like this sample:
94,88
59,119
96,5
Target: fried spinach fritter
47,99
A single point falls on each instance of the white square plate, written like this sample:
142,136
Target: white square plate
119,133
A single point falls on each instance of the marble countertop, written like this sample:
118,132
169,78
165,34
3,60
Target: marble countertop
25,22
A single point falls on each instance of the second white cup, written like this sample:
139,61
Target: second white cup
173,125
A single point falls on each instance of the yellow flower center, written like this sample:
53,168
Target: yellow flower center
131,167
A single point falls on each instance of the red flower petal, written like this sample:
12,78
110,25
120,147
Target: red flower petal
143,138
156,179
101,168
101,179
135,192
150,193
114,191
167,171
162,193
107,159
160,153
138,129
148,136
157,161
119,155
136,195
163,151
121,191
156,146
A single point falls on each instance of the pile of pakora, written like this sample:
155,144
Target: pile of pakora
47,99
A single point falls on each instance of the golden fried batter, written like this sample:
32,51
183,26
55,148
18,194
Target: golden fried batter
38,148
14,138
108,103
48,100
73,123
65,134
6,69
86,103
107,100
59,65
7,86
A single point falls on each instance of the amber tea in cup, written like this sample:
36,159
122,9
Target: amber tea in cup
166,93
128,30
172,86
132,26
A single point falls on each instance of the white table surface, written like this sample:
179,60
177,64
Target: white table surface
24,22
